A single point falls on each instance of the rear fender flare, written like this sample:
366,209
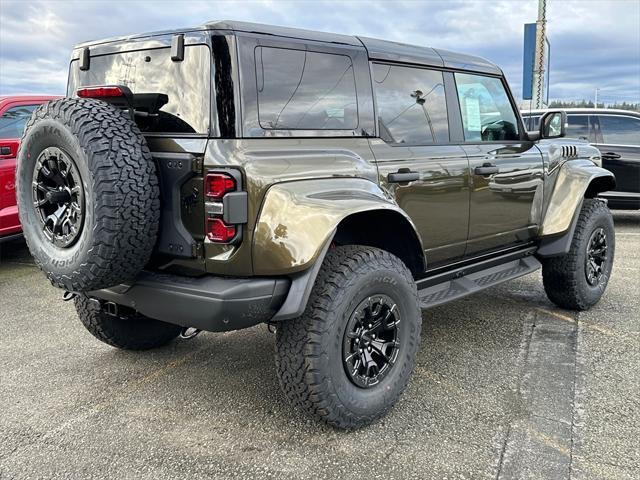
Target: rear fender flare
298,220
298,224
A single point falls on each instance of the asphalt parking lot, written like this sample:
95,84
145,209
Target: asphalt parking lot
506,386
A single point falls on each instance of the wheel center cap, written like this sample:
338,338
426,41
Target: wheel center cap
61,196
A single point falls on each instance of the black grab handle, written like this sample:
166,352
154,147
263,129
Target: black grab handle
403,177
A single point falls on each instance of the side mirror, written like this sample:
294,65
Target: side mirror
553,124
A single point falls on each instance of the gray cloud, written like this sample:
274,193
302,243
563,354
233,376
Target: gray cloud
593,43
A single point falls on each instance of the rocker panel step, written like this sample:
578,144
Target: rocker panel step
454,289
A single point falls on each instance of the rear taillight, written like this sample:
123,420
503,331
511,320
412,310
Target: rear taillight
225,206
217,184
100,92
218,231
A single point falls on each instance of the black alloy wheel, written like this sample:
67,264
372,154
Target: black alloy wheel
58,196
371,345
596,258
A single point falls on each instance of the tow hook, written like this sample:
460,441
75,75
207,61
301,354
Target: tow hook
67,295
188,333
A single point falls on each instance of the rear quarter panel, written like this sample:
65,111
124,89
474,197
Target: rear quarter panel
265,164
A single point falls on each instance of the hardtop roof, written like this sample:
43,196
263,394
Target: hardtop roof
377,49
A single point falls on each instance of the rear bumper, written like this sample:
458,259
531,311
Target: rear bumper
209,303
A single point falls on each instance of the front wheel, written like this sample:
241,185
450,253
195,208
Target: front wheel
349,357
578,279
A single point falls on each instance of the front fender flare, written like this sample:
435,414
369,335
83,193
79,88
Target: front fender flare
576,180
573,182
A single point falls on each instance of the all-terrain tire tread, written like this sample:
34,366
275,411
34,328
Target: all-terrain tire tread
561,282
299,346
128,332
126,191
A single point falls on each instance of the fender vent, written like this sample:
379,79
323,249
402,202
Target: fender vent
569,151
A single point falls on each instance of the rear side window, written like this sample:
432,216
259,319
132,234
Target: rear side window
620,130
303,90
578,126
411,105
487,113
13,120
186,84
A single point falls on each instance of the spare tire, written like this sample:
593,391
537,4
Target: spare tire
88,194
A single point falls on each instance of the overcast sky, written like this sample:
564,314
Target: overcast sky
594,43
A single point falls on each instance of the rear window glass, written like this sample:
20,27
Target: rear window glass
13,120
186,84
302,90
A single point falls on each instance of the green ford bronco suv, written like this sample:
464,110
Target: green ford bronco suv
331,186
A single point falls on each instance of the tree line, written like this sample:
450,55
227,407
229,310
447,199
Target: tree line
590,104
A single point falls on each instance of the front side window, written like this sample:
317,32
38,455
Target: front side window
13,120
620,130
302,90
578,126
411,105
487,113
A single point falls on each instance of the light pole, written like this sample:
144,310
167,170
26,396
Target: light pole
539,62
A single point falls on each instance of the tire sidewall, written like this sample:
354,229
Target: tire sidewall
45,133
365,283
601,219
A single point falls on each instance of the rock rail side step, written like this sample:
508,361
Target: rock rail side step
464,285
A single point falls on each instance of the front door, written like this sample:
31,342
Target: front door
427,176
506,171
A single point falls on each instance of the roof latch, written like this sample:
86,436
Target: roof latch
85,59
177,48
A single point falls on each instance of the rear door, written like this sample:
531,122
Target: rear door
13,118
506,170
618,139
426,174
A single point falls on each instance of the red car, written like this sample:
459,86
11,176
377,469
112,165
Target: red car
14,113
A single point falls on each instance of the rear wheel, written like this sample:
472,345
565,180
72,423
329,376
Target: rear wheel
349,357
578,279
127,330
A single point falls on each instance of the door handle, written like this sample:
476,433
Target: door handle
404,175
486,169
610,156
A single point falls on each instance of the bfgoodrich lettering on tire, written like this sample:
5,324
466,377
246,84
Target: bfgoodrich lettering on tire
349,357
88,194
